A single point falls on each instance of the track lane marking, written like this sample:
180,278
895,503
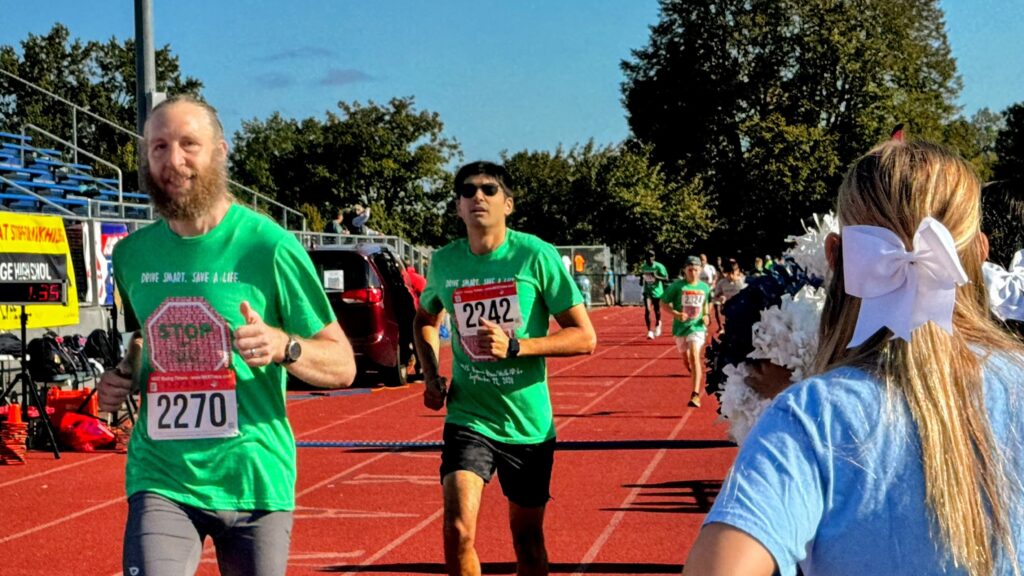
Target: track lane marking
613,524
57,469
440,511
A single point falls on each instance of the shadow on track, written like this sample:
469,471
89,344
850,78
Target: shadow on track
682,497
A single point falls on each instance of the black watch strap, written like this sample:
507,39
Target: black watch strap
513,347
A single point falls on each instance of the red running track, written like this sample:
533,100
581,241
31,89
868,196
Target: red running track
634,474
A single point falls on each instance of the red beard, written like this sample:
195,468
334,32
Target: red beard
208,187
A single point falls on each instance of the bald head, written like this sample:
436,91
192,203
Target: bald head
208,111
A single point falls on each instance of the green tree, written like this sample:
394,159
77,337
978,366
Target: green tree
975,139
1003,199
1009,147
615,196
390,157
743,94
99,76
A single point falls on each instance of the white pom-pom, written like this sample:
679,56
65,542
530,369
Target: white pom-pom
741,405
808,250
787,335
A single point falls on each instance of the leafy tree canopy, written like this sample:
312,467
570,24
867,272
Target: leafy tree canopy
390,157
769,101
99,76
616,196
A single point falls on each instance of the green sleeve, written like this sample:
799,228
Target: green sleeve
430,299
131,322
670,294
301,300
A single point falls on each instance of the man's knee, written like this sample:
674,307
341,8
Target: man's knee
529,544
459,534
462,491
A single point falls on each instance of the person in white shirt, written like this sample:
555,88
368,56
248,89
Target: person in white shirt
708,274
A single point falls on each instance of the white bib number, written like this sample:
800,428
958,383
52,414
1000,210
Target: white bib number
497,303
192,405
648,278
692,304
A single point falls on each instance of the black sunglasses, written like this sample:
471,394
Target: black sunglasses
469,190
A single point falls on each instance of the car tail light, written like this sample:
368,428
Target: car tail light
363,296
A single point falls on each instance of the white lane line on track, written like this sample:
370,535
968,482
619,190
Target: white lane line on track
598,545
35,529
400,540
440,511
355,467
57,469
348,419
586,408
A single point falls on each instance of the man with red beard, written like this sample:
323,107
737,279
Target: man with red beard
224,304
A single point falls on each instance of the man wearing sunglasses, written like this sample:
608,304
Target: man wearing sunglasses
501,287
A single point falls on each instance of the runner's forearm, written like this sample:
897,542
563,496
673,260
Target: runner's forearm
322,362
132,361
575,337
426,336
566,342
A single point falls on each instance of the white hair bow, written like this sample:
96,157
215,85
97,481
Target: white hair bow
1006,288
901,290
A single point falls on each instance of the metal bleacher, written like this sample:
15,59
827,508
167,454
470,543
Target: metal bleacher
39,180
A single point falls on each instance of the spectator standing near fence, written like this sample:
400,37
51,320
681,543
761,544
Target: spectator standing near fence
501,287
609,287
231,306
336,226
361,215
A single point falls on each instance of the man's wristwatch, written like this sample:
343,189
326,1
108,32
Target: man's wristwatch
292,351
513,347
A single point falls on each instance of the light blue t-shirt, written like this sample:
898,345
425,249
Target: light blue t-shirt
827,480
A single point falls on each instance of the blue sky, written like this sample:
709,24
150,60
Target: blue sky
503,75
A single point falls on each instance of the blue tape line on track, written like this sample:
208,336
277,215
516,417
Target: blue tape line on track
368,444
639,444
329,394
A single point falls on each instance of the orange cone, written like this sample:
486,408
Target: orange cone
14,414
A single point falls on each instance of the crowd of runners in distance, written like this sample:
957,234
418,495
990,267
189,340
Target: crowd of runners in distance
692,298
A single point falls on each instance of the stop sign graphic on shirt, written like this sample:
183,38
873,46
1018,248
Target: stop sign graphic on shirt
187,335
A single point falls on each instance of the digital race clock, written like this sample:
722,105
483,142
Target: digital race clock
32,292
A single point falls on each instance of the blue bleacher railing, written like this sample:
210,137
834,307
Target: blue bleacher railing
256,199
120,178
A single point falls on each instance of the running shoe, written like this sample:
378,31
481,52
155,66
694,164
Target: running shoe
695,400
657,331
650,335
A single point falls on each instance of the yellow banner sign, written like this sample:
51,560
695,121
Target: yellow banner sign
35,248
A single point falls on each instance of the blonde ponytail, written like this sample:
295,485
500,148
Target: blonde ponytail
938,374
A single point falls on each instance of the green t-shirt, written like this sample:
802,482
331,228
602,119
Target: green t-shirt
524,278
653,287
692,299
245,257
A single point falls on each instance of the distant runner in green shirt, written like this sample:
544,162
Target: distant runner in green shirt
501,287
224,305
653,275
687,301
